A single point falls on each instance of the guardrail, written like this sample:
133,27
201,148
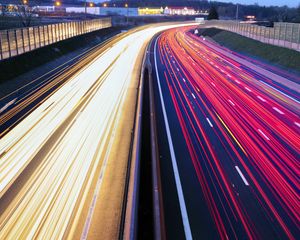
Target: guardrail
17,41
282,34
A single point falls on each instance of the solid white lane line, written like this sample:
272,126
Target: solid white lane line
262,99
277,110
242,175
280,92
184,215
210,124
193,96
262,133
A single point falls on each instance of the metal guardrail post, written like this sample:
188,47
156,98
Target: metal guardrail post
16,41
292,35
1,55
8,43
28,35
298,37
23,41
56,32
279,34
69,30
285,33
47,33
61,33
39,35
44,35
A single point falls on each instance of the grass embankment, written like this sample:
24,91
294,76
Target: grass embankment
279,56
17,65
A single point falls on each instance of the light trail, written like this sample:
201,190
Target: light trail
255,134
67,135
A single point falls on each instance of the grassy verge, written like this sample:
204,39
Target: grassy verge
279,56
18,65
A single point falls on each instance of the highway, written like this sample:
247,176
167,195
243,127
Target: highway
229,142
54,161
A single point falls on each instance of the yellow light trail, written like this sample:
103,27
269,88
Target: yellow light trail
68,133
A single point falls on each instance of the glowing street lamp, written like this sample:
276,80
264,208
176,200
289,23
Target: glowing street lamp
126,5
104,4
57,3
91,4
25,2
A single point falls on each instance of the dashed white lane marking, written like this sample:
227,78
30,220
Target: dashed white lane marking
177,69
278,110
238,82
297,124
210,124
248,89
231,102
242,175
213,84
183,79
262,99
7,105
262,133
193,96
184,215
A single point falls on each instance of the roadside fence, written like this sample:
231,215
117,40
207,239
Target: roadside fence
282,34
17,41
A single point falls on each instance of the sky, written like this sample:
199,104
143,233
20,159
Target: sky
290,3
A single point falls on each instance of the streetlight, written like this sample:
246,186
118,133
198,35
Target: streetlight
25,2
104,4
126,5
57,3
91,4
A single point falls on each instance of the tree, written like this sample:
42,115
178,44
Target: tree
213,14
25,14
4,9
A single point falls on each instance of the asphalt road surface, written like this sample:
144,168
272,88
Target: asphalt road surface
229,142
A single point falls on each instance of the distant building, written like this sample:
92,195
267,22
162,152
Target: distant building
179,11
44,9
150,11
250,18
104,10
